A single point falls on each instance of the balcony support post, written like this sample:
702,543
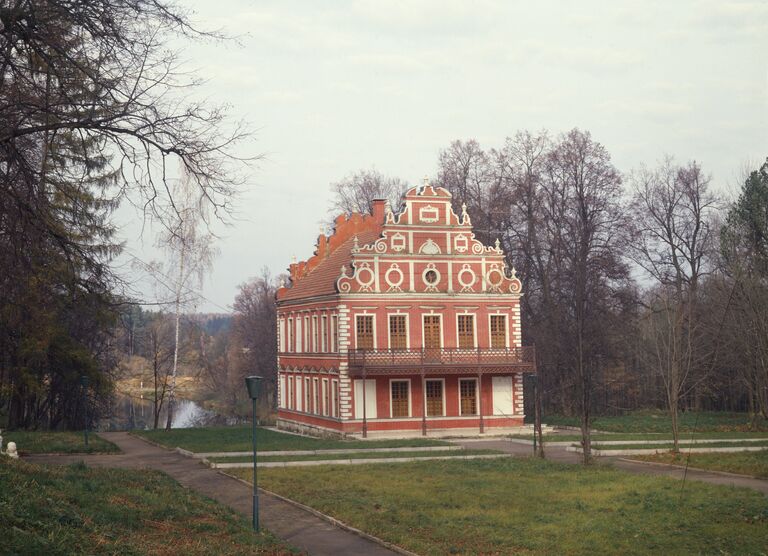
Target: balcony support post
424,402
480,400
480,391
365,419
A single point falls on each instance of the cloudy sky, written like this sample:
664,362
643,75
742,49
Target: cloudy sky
330,88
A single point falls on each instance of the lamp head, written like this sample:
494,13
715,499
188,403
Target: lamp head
252,382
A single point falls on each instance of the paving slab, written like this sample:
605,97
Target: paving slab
297,527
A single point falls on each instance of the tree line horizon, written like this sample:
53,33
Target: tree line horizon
95,108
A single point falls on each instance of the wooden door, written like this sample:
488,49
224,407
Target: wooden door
432,332
434,398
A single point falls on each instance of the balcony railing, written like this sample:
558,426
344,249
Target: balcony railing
523,358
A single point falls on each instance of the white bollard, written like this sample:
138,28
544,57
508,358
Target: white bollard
11,452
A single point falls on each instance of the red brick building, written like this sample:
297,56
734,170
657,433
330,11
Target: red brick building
402,324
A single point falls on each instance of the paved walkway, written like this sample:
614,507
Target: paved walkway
559,454
297,527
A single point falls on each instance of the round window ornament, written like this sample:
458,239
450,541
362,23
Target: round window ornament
495,277
394,276
466,277
365,277
431,277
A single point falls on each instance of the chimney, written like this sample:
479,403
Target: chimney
378,209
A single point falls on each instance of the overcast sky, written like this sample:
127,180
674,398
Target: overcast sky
331,88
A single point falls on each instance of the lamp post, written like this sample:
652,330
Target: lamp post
252,382
84,380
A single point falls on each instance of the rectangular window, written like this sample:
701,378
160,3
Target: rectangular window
468,396
290,335
306,333
466,325
397,332
290,392
307,396
399,395
498,331
335,399
364,331
434,398
323,333
432,338
281,335
298,335
316,395
326,397
334,333
314,334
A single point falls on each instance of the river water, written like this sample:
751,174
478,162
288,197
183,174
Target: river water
135,413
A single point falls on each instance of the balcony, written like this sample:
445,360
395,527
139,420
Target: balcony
444,360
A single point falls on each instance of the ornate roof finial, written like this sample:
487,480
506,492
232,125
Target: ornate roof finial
390,219
513,274
464,215
426,180
293,259
498,245
355,245
343,271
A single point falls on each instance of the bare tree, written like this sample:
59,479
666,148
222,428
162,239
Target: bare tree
587,219
356,192
672,206
189,244
160,351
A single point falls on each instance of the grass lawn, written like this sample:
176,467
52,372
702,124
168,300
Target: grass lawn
81,510
530,506
238,439
658,421
358,455
661,437
34,442
744,463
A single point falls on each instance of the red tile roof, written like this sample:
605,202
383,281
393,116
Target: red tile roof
317,276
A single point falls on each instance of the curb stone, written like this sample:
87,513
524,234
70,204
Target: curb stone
332,520
723,473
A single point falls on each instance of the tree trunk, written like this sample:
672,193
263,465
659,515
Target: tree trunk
172,391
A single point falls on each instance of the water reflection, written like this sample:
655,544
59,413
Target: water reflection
136,413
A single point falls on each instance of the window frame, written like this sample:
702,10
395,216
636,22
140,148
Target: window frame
410,398
334,333
442,337
477,395
474,330
505,317
323,333
335,395
307,394
407,330
373,329
442,380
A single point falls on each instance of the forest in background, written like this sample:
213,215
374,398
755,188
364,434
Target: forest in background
643,287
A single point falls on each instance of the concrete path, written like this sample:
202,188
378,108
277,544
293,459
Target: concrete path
560,454
297,527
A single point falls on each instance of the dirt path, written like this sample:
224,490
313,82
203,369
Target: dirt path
299,528
559,454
